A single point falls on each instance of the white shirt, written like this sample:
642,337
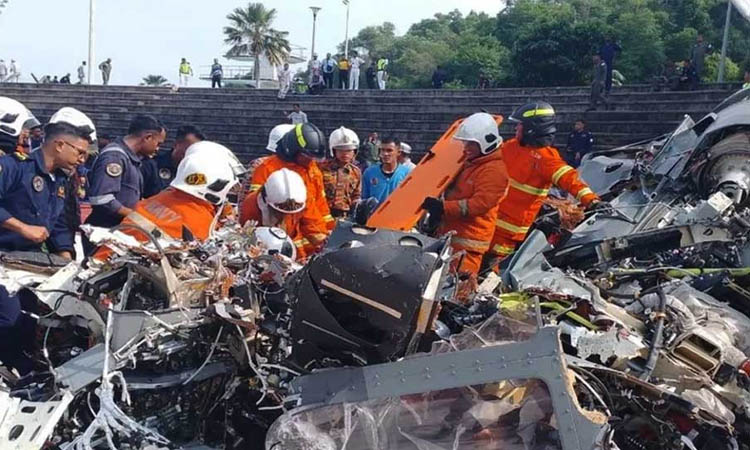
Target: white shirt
356,62
3,69
298,117
285,76
15,68
314,64
81,72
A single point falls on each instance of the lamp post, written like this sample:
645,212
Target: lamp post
724,42
91,40
314,10
346,35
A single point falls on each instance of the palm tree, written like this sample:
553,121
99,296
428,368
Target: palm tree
250,32
154,80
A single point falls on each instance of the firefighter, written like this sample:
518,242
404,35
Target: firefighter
14,119
274,137
341,178
190,207
534,166
33,187
281,203
297,151
471,202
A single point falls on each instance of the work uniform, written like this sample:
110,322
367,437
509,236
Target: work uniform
579,142
379,185
343,186
317,216
256,210
172,212
185,73
114,181
470,207
381,74
35,197
532,172
158,172
343,73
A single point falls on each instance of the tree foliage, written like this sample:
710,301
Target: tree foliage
250,32
551,42
154,80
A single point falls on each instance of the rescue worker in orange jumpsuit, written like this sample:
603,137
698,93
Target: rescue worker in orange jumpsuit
534,167
193,203
280,203
297,151
471,202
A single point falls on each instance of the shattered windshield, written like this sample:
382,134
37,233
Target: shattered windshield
680,143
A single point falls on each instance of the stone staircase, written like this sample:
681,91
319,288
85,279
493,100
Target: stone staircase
242,118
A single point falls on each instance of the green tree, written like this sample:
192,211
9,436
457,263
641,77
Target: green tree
250,33
643,48
732,71
154,80
373,41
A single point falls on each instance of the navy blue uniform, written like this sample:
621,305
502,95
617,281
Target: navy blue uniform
114,181
35,197
158,173
578,142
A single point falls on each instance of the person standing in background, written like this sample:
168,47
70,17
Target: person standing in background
3,71
297,116
186,72
698,57
329,66
15,71
355,64
82,72
598,84
343,72
609,50
580,143
106,68
382,66
285,81
217,73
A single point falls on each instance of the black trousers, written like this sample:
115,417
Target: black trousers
216,81
344,79
328,78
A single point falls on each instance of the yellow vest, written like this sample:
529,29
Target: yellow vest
344,64
382,63
185,68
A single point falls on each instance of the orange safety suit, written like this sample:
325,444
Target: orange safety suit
290,223
316,216
532,172
169,211
470,207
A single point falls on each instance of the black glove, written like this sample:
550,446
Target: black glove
599,206
434,206
363,209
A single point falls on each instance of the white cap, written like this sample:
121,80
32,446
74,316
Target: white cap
285,191
276,134
405,148
76,119
212,148
274,240
343,138
14,117
482,129
207,172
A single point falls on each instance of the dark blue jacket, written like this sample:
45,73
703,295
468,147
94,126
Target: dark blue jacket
579,142
158,173
35,197
114,181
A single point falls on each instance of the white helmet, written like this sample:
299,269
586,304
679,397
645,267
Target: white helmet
214,149
343,138
15,117
207,175
405,148
78,120
285,192
274,240
482,129
276,134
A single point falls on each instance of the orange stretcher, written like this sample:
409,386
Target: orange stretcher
434,173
